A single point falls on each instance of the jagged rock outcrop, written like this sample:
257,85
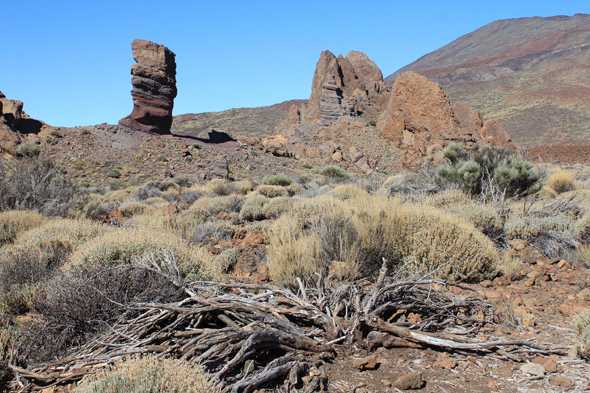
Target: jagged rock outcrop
154,88
344,88
10,116
420,121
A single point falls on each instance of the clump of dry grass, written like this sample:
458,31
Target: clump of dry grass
134,208
71,232
359,231
150,373
222,187
510,267
272,191
123,245
15,222
562,181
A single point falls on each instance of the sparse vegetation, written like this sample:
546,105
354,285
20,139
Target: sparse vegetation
561,181
114,173
28,149
277,180
333,173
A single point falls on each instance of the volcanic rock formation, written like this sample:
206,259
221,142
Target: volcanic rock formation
345,88
154,88
11,112
420,121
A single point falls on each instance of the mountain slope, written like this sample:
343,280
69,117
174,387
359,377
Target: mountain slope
530,74
240,122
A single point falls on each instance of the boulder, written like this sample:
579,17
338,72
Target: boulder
154,88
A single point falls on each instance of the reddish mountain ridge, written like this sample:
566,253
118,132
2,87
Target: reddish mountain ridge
532,75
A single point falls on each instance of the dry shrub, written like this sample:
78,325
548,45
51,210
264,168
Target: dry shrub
583,255
123,245
270,191
359,232
348,191
277,180
212,206
35,184
555,236
181,224
582,326
150,373
98,210
14,223
562,181
156,202
510,267
71,232
212,229
83,302
135,208
123,195
259,207
224,187
483,216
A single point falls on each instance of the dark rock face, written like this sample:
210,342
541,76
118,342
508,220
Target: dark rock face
154,88
10,116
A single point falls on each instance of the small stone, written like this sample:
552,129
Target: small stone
493,385
557,380
563,263
486,284
584,294
550,366
366,363
565,309
306,379
572,353
444,361
533,369
386,383
409,381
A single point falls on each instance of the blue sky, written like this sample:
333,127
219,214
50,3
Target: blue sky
68,61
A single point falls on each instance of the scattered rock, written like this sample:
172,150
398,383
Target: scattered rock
170,210
557,380
444,361
409,381
154,88
533,369
493,385
386,383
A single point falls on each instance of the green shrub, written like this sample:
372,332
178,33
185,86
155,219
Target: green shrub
304,179
475,169
55,133
84,131
277,180
372,123
114,173
272,191
227,259
333,173
28,149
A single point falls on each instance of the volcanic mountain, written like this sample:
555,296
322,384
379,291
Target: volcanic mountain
532,75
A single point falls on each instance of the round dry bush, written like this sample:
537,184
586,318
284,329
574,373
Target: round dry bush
348,191
562,181
583,334
275,207
212,206
123,195
134,208
272,191
70,232
253,208
156,202
125,245
359,232
150,373
15,222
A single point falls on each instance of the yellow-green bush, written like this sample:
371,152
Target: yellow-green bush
361,230
224,187
156,202
150,373
123,245
259,207
562,181
212,206
123,195
15,222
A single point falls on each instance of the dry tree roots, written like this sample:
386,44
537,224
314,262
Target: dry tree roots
248,335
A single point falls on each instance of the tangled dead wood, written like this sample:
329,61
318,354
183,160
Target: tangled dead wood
247,335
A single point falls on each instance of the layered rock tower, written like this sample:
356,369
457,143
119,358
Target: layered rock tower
154,88
11,113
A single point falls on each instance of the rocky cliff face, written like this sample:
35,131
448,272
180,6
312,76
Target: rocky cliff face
11,112
344,88
420,121
416,119
154,88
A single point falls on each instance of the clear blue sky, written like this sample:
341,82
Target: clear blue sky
68,61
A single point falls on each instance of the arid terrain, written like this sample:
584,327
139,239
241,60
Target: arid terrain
530,74
383,235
